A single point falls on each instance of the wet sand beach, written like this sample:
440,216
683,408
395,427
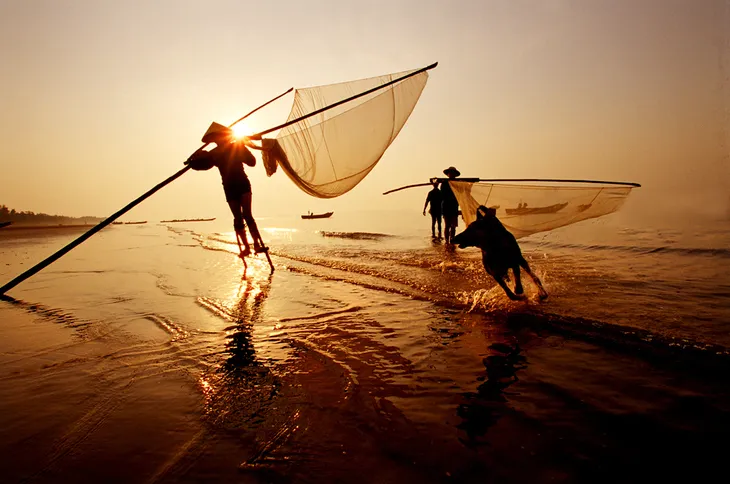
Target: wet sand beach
147,356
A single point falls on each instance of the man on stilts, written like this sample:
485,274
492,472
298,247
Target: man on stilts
229,156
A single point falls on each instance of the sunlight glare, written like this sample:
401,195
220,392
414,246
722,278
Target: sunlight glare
241,130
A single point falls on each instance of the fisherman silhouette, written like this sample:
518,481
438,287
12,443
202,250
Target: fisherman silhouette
434,198
449,205
228,156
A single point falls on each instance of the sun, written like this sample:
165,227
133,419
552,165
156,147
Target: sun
241,130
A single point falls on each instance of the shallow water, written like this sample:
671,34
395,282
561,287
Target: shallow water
369,355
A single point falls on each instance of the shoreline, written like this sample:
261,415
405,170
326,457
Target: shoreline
42,231
34,227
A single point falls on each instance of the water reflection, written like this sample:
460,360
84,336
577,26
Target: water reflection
239,389
483,408
252,294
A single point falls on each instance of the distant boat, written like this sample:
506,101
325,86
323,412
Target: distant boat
524,210
187,220
135,223
4,224
311,215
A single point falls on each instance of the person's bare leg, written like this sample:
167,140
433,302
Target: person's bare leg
239,226
258,243
450,232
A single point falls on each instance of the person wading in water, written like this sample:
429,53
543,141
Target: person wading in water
228,156
434,198
450,206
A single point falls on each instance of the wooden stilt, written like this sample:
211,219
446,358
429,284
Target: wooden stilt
266,253
259,241
240,249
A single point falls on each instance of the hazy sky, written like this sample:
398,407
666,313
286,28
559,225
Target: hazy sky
100,100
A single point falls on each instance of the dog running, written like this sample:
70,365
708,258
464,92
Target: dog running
500,251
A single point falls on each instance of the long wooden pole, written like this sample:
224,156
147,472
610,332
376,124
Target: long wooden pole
45,263
262,106
556,180
514,180
351,98
65,250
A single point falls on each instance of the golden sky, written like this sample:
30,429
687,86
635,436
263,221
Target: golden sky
102,99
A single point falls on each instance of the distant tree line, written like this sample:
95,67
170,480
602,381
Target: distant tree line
30,218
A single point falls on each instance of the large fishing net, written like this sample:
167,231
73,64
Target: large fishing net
327,154
526,209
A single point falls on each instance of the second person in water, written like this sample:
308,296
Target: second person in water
434,199
449,205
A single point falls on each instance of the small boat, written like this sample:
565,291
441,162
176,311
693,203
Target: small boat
522,209
135,223
4,224
311,215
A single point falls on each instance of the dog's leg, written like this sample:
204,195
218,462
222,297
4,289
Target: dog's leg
542,293
518,281
500,278
508,291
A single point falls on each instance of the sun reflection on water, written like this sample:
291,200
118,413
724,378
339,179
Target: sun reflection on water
241,383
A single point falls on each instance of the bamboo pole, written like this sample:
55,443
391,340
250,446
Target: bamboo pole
54,257
65,250
258,136
556,180
262,106
515,180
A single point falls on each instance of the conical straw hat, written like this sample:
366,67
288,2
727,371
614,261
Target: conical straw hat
216,131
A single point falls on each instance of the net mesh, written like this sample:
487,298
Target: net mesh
528,209
330,153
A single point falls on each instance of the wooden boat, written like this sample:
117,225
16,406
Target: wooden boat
311,215
4,224
524,210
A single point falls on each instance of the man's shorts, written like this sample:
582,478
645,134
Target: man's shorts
234,191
